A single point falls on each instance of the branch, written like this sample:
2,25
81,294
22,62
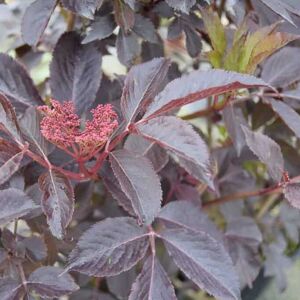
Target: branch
240,196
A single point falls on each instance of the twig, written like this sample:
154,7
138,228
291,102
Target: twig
70,21
240,196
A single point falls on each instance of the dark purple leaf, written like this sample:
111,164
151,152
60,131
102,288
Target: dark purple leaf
85,8
35,20
75,72
178,137
174,29
245,230
10,289
120,285
128,48
49,282
16,84
282,69
142,83
57,202
10,167
101,28
276,264
36,248
124,16
31,130
192,41
288,115
281,8
198,85
152,283
8,120
113,186
292,193
233,118
242,239
203,260
246,262
109,248
14,204
187,215
143,147
267,151
145,29
132,175
182,5
290,219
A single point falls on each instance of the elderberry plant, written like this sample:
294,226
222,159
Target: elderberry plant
112,187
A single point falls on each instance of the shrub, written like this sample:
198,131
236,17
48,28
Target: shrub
113,188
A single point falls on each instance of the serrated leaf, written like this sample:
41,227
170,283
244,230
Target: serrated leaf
35,20
113,186
245,230
288,115
281,8
57,202
36,248
124,16
290,219
267,150
292,193
85,8
143,147
10,289
280,71
142,83
14,204
145,29
120,285
128,47
10,167
75,72
182,5
246,262
16,84
49,282
276,264
152,283
187,215
100,29
132,175
178,137
198,85
8,119
233,118
192,41
109,247
31,132
204,261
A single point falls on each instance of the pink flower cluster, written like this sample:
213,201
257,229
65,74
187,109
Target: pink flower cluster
61,126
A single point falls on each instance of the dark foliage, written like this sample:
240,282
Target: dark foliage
108,176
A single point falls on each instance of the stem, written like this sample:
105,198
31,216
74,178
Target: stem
70,21
221,7
266,206
109,147
240,196
15,228
152,240
23,277
46,164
